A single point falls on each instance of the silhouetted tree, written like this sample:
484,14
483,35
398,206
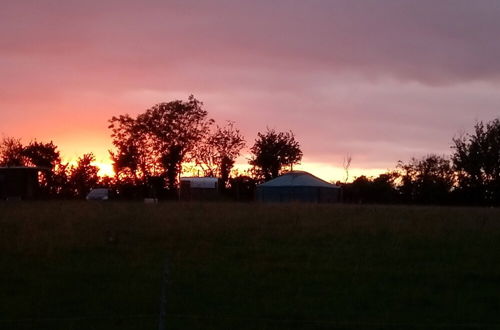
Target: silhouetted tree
59,182
53,178
359,191
84,176
159,140
217,154
381,189
384,188
11,152
174,129
428,180
476,160
134,158
107,182
272,152
41,154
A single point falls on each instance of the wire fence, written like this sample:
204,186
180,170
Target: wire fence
232,319
165,320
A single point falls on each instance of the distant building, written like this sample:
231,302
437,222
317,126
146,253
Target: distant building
19,182
298,186
195,188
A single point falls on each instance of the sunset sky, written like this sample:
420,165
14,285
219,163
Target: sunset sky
380,80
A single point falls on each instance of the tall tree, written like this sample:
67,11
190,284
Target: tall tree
273,152
217,154
476,159
158,141
174,128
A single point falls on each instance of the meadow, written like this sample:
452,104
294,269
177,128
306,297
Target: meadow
83,265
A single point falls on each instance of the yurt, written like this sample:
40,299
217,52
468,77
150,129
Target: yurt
298,186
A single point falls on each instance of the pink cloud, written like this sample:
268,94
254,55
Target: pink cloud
380,80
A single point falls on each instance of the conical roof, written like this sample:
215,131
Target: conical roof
298,179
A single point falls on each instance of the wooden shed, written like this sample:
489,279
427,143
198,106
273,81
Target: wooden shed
19,182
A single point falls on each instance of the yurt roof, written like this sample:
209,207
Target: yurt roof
298,179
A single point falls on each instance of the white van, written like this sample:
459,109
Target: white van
98,194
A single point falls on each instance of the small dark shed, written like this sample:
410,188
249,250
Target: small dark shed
298,186
19,182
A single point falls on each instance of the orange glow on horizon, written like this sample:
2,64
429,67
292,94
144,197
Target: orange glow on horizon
324,171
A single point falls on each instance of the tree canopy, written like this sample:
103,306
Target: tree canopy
84,176
158,141
11,152
217,154
428,180
476,160
274,152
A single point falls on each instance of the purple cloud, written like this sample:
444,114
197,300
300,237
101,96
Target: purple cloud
382,80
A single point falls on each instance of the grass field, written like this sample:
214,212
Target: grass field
78,265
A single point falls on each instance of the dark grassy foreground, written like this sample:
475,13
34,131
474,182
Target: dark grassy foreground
77,265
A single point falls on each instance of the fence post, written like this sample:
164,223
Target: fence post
162,324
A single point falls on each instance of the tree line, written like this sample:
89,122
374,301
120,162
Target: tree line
152,149
57,178
470,176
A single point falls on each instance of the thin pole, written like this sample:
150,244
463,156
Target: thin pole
162,324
